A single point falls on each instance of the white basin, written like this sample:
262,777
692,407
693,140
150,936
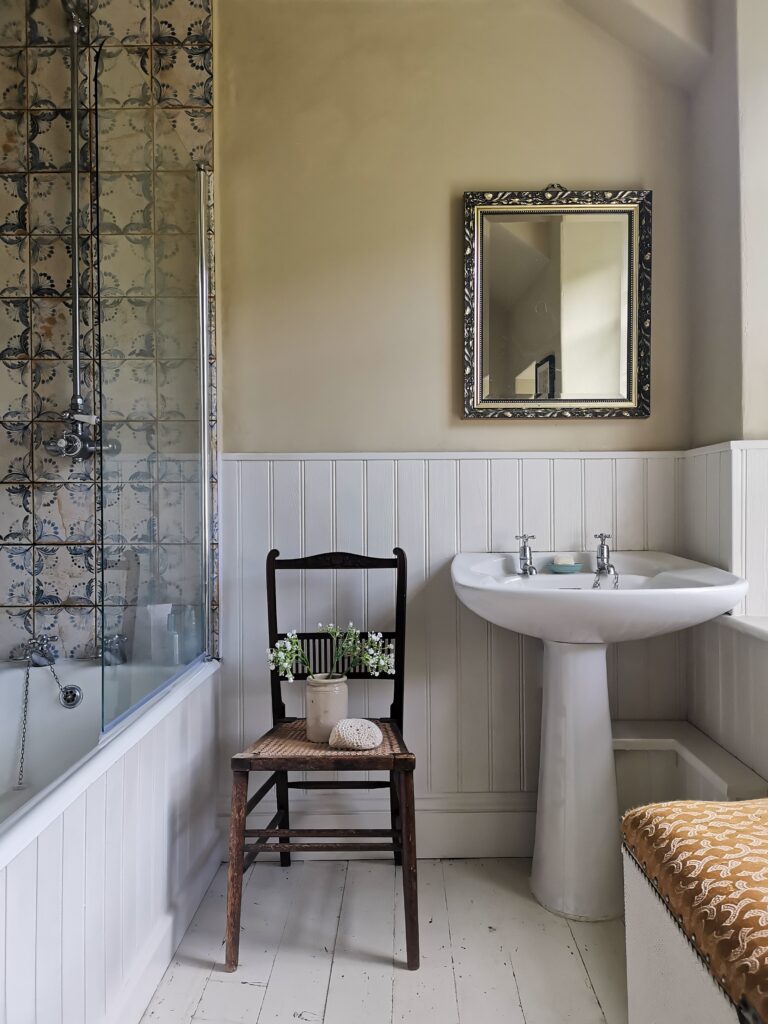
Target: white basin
576,862
657,593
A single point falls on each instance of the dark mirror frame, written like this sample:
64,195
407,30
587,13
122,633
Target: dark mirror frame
638,205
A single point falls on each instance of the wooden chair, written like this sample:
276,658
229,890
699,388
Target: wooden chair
285,749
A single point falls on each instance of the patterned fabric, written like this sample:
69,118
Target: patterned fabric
709,863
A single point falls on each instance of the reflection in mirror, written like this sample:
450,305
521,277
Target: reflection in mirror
558,285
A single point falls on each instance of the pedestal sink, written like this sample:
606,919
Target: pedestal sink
576,863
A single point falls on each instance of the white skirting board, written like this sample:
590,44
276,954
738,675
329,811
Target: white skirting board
666,981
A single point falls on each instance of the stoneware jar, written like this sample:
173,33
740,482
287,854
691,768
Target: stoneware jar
327,701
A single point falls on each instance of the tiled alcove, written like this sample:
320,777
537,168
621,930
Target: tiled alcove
154,123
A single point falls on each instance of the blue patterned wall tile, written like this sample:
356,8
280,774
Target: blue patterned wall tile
127,328
47,22
13,204
178,388
181,22
15,513
13,78
125,203
178,451
125,140
182,138
13,24
15,451
129,389
176,265
129,572
14,265
16,568
65,574
124,21
176,202
13,140
179,570
15,630
48,77
124,78
72,631
177,327
52,328
128,513
14,329
137,461
127,265
15,383
182,76
64,513
52,386
178,512
50,205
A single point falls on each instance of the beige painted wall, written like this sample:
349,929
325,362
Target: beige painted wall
346,134
753,102
716,371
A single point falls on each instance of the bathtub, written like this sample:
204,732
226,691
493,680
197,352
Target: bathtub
107,852
74,731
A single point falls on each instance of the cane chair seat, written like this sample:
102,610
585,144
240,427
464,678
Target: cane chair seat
288,741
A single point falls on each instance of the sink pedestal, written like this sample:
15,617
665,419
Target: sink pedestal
577,860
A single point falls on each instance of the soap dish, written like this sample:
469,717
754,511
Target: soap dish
576,567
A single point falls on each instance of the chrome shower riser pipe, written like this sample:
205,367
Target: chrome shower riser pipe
76,26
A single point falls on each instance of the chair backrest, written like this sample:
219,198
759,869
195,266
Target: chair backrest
319,646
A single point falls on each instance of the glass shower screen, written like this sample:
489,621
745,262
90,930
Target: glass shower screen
152,286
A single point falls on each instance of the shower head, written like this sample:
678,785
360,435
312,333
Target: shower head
76,12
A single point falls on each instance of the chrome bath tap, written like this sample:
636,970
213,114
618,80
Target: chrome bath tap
527,568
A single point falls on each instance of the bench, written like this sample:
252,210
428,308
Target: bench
696,900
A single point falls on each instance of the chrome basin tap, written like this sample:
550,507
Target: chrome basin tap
527,568
604,555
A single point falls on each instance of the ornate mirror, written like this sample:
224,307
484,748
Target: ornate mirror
557,303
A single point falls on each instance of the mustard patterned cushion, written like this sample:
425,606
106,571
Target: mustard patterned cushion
709,863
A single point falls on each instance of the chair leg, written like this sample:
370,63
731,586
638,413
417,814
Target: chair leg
394,813
235,868
281,792
410,887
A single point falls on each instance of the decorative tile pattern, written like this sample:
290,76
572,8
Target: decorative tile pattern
154,91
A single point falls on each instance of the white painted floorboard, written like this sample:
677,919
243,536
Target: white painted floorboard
323,943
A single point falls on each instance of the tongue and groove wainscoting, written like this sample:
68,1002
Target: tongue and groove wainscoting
473,692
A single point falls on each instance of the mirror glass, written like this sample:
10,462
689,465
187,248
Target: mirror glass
555,293
557,311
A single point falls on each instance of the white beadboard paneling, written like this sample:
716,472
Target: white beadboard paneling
568,505
93,907
599,514
349,515
48,953
756,530
630,529
661,504
473,693
411,537
537,502
505,504
474,638
442,619
380,586
73,914
21,930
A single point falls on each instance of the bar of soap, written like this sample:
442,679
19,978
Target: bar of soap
564,560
